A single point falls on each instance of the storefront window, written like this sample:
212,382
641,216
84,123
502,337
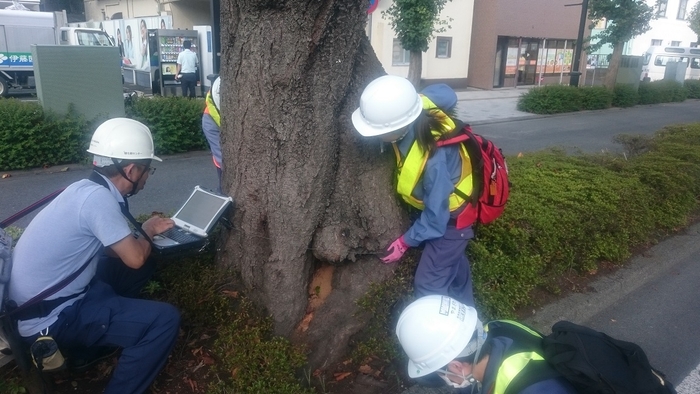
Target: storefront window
556,57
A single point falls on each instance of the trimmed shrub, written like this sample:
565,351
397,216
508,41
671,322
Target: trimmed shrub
31,137
625,95
661,92
692,88
595,97
176,122
551,99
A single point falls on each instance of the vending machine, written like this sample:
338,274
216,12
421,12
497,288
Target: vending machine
164,61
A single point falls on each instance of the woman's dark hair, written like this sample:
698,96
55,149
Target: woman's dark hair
425,123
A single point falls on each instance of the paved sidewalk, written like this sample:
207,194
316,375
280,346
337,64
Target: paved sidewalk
477,106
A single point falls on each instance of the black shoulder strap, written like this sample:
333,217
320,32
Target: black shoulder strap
50,291
97,178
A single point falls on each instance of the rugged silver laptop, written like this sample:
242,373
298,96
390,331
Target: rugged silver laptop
194,220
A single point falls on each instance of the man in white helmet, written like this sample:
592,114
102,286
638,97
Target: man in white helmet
444,340
211,123
84,231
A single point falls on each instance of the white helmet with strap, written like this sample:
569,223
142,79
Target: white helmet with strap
387,104
434,330
122,139
215,93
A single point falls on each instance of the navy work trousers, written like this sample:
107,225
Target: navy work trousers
443,268
189,83
145,330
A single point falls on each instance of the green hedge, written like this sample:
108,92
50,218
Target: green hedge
692,88
625,95
176,122
31,137
553,99
661,92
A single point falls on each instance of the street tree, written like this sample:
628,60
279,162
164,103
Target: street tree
415,22
314,201
626,20
694,21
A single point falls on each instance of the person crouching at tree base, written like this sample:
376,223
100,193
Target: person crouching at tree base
391,110
446,344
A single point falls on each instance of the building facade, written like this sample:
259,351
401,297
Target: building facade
670,28
517,43
447,57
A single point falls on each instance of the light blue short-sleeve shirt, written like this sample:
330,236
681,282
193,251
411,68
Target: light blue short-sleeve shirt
73,228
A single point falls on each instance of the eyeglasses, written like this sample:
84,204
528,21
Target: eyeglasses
149,170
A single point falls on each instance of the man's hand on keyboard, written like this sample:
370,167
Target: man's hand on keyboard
157,225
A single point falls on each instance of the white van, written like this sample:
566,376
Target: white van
656,57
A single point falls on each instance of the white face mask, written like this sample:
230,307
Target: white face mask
466,380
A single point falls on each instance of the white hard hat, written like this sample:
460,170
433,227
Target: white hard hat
387,104
123,138
215,88
434,330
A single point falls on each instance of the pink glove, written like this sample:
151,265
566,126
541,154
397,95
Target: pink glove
395,251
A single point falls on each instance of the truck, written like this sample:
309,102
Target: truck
19,30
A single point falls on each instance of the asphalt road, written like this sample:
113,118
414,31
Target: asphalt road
589,131
165,190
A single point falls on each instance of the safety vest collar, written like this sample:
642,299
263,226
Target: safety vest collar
410,171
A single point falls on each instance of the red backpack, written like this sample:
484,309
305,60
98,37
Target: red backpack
490,174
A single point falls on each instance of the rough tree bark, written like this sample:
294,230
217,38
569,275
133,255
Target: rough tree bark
613,66
314,201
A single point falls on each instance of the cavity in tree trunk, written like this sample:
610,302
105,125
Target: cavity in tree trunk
415,68
314,200
613,66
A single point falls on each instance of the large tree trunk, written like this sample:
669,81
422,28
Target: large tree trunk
313,199
415,68
613,66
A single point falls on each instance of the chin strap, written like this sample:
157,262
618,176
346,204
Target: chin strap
134,185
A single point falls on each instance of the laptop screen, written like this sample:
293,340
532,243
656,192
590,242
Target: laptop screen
201,209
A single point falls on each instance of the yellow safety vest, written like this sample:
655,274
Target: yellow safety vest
212,110
516,361
411,168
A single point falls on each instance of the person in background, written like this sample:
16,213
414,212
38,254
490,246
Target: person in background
187,69
211,122
145,64
120,44
128,47
392,111
446,344
84,231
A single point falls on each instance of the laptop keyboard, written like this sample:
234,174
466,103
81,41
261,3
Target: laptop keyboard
180,235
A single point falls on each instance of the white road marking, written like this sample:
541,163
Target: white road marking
691,383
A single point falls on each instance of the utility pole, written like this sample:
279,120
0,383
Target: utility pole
575,69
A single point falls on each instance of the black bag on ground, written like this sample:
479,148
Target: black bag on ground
595,363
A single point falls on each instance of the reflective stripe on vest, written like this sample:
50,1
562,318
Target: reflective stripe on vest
510,368
523,356
411,168
210,109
